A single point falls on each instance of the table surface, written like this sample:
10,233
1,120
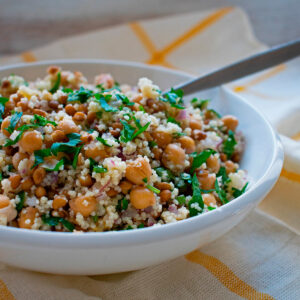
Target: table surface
29,24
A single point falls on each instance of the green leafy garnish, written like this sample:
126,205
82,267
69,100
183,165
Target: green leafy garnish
124,99
39,156
152,144
164,174
129,132
129,227
57,166
103,102
68,147
82,95
10,168
122,205
211,208
3,100
237,192
75,159
177,135
229,144
223,174
172,120
201,158
152,189
174,98
99,169
95,219
103,141
41,121
181,199
221,193
141,226
56,84
15,118
20,204
196,204
215,113
53,221
200,103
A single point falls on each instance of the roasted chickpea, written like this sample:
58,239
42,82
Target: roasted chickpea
157,153
26,184
4,201
39,175
84,205
91,117
230,166
198,135
58,136
7,209
195,124
173,154
40,191
188,144
111,193
31,141
206,180
27,217
5,124
95,153
125,186
68,126
141,197
86,180
59,202
138,170
213,163
15,180
230,122
79,117
163,185
162,138
70,110
106,80
53,104
165,196
17,158
209,199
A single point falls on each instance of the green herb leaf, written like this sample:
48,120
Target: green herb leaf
68,147
41,121
200,103
95,219
57,166
164,174
82,95
215,113
201,158
53,221
99,169
20,204
15,118
127,132
141,226
75,159
174,97
103,141
152,144
196,204
223,174
211,208
3,100
229,144
124,100
221,193
56,84
103,102
92,164
181,199
122,205
141,130
177,135
173,120
237,192
152,189
39,156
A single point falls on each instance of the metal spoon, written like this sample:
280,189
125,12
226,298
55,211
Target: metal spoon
244,67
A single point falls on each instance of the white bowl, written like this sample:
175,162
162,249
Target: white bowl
118,251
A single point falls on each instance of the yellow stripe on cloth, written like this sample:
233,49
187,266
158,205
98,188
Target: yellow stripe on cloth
290,175
274,71
226,276
296,137
28,57
5,294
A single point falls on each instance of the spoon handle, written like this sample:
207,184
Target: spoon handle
244,67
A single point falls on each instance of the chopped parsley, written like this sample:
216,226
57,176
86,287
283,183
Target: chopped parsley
200,103
122,205
56,84
221,193
215,113
58,166
75,159
141,226
196,204
152,189
15,118
223,174
129,132
181,199
124,99
172,120
20,204
201,158
229,144
164,174
103,141
68,147
152,144
178,134
174,98
237,192
3,100
104,104
99,169
39,156
53,221
82,95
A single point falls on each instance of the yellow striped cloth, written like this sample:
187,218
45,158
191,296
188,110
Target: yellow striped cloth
258,259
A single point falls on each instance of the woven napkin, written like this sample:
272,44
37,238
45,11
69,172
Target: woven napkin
259,258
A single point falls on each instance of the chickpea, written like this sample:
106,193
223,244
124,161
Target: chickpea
79,117
125,186
209,199
10,105
31,141
83,108
187,143
15,180
207,181
26,184
86,138
19,156
195,124
84,205
157,153
223,157
173,154
53,104
141,197
40,192
91,117
39,175
68,126
230,166
23,105
163,185
137,170
58,136
106,80
165,196
162,138
59,201
70,110
86,180
117,125
4,201
5,124
137,99
111,193
27,217
230,122
199,135
213,163
95,153
52,70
